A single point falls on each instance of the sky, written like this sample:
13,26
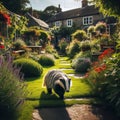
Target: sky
64,4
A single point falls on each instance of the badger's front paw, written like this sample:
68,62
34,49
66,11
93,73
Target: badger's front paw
62,97
49,90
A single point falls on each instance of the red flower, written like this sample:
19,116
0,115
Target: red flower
106,52
2,46
103,67
98,69
5,17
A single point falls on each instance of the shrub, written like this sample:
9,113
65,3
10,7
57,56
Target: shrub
95,46
104,78
85,54
63,45
91,29
79,35
81,65
19,44
73,48
101,27
46,60
29,67
12,90
50,49
85,45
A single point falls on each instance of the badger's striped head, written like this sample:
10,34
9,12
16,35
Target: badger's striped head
65,82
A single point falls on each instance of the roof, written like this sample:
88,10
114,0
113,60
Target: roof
74,13
36,22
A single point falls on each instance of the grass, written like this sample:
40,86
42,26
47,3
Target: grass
38,96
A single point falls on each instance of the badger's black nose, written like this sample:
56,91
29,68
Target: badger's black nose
67,90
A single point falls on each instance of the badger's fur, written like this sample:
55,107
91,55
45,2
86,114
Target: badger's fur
58,81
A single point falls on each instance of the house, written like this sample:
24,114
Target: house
32,21
81,17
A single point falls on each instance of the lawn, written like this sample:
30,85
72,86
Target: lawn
38,96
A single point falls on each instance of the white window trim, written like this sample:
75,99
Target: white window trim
58,23
89,22
69,23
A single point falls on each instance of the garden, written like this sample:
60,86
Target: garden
91,61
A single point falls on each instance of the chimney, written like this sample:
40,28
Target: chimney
84,3
59,9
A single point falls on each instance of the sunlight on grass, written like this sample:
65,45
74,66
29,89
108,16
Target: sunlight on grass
38,96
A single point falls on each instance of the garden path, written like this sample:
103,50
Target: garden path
75,112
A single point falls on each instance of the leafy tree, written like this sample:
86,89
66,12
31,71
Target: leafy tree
108,7
49,12
15,5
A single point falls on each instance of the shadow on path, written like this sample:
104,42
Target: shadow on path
52,113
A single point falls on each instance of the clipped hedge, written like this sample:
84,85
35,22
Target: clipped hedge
46,60
81,65
29,67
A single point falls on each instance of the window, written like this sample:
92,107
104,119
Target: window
69,23
88,20
57,23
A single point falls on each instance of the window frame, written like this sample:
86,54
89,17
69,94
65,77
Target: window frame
88,20
69,23
58,23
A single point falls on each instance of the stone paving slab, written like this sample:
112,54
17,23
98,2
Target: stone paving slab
75,112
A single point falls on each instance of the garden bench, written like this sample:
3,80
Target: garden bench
20,52
35,48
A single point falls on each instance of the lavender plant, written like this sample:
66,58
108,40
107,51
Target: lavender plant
12,89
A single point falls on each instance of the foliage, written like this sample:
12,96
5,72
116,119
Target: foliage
5,18
101,27
19,44
15,6
50,50
32,32
49,12
79,35
46,60
81,65
44,38
64,32
95,45
73,48
105,79
85,45
63,43
108,7
85,54
18,24
12,89
91,29
29,67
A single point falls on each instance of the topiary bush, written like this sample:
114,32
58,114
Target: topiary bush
63,45
79,35
85,45
12,90
81,65
101,27
46,60
29,67
73,48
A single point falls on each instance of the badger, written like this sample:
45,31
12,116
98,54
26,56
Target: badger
58,81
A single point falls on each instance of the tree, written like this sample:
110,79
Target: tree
49,12
108,7
15,5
